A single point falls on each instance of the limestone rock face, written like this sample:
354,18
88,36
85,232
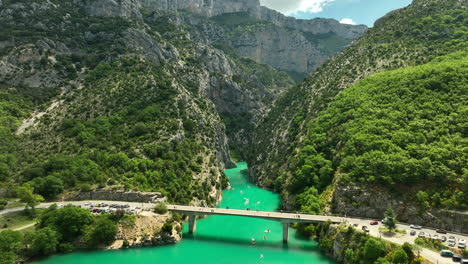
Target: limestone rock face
114,8
107,195
372,203
282,45
280,48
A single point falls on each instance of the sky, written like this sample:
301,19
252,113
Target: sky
345,11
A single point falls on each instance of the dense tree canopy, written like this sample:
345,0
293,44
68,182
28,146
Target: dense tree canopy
404,128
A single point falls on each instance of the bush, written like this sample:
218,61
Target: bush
160,208
167,227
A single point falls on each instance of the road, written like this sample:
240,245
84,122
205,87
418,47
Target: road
402,238
285,217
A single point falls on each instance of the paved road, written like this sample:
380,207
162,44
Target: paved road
24,227
285,217
402,238
276,216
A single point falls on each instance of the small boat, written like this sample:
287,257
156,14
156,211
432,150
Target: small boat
253,242
267,231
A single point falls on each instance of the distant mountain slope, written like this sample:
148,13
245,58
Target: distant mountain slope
406,37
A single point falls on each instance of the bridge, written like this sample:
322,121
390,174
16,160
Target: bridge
285,218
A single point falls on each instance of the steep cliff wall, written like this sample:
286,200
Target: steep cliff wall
286,43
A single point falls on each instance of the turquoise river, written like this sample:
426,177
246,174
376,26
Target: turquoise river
220,239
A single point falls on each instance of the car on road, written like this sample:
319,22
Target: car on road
446,253
365,229
441,231
413,232
421,234
375,222
415,226
451,242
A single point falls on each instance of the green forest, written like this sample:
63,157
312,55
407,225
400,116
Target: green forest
402,130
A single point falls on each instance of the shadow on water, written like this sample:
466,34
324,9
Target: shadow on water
259,243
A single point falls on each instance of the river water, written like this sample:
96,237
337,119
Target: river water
220,239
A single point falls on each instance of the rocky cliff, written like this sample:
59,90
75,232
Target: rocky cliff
288,44
147,229
372,203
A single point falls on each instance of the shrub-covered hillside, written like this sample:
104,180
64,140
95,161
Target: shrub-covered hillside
92,98
403,130
410,36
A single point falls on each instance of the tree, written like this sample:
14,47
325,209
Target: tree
43,242
7,258
408,248
48,187
390,219
399,257
423,199
10,241
69,221
160,208
373,249
103,231
26,195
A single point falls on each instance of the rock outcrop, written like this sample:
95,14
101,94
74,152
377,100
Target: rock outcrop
282,44
146,229
372,203
108,195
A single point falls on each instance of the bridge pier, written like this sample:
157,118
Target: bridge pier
285,232
192,223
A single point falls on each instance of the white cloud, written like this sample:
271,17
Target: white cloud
293,6
347,21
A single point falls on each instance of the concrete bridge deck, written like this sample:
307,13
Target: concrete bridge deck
276,216
285,218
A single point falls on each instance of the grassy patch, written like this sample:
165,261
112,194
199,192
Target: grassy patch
12,203
16,220
399,231
434,245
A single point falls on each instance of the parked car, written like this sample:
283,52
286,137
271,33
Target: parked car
421,234
461,240
413,232
375,222
365,229
456,258
464,261
87,203
451,237
428,236
446,253
415,226
443,238
451,243
461,245
441,231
